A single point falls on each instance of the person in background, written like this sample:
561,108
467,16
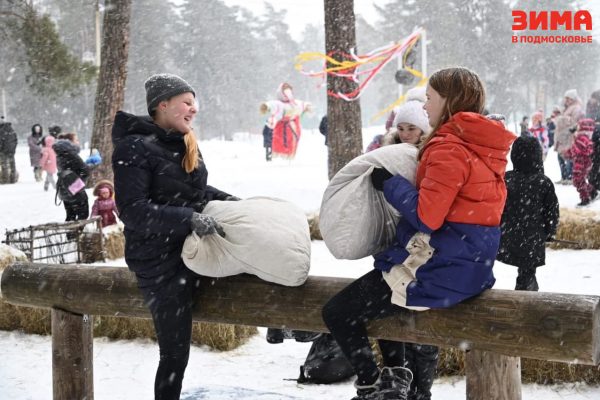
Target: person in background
72,174
416,93
538,130
566,125
447,240
411,126
323,128
55,130
581,153
551,125
161,189
594,175
285,113
104,205
592,107
48,162
8,147
524,126
94,159
375,143
35,151
531,213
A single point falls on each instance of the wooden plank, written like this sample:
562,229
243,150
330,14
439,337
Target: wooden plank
72,356
492,376
547,326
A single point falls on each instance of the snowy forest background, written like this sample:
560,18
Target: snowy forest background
235,59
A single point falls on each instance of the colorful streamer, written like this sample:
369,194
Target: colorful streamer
352,67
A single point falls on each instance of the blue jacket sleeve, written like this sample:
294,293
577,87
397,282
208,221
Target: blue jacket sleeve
404,197
133,179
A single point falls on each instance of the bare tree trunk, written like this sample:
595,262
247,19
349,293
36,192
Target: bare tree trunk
344,133
111,82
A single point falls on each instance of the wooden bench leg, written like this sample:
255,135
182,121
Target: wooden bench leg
492,376
72,356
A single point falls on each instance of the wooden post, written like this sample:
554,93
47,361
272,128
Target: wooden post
492,376
72,356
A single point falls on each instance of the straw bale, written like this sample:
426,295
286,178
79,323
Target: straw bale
578,225
114,241
452,362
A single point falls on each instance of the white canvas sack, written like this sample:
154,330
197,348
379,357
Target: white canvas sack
264,236
355,219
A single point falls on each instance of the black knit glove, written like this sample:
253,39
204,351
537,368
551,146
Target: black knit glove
378,176
204,224
232,198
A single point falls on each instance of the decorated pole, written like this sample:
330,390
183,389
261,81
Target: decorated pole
344,134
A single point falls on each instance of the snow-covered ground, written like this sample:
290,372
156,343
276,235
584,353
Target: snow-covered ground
257,370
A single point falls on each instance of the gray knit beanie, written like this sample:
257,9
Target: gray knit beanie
161,87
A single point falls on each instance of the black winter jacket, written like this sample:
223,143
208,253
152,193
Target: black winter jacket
67,158
155,196
8,139
594,175
531,213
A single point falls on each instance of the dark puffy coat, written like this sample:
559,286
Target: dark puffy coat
67,158
8,139
594,175
155,196
323,128
531,213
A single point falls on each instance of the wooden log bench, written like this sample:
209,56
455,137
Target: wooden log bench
495,328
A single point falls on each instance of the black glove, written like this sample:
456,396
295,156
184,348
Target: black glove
378,176
232,198
204,224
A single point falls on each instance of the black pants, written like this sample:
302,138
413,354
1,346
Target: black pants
77,208
170,303
422,360
346,314
526,279
8,171
268,142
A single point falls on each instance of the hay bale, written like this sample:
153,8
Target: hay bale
37,321
217,336
578,225
9,255
114,241
452,362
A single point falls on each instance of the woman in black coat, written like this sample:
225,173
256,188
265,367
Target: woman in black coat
161,189
530,215
70,168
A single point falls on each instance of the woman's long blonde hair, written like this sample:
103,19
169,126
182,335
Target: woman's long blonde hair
191,159
463,91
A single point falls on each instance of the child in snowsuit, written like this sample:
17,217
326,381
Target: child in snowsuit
581,153
104,205
447,238
48,162
530,216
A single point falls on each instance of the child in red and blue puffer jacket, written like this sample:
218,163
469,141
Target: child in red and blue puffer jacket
581,153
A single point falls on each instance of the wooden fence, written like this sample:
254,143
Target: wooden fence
495,328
